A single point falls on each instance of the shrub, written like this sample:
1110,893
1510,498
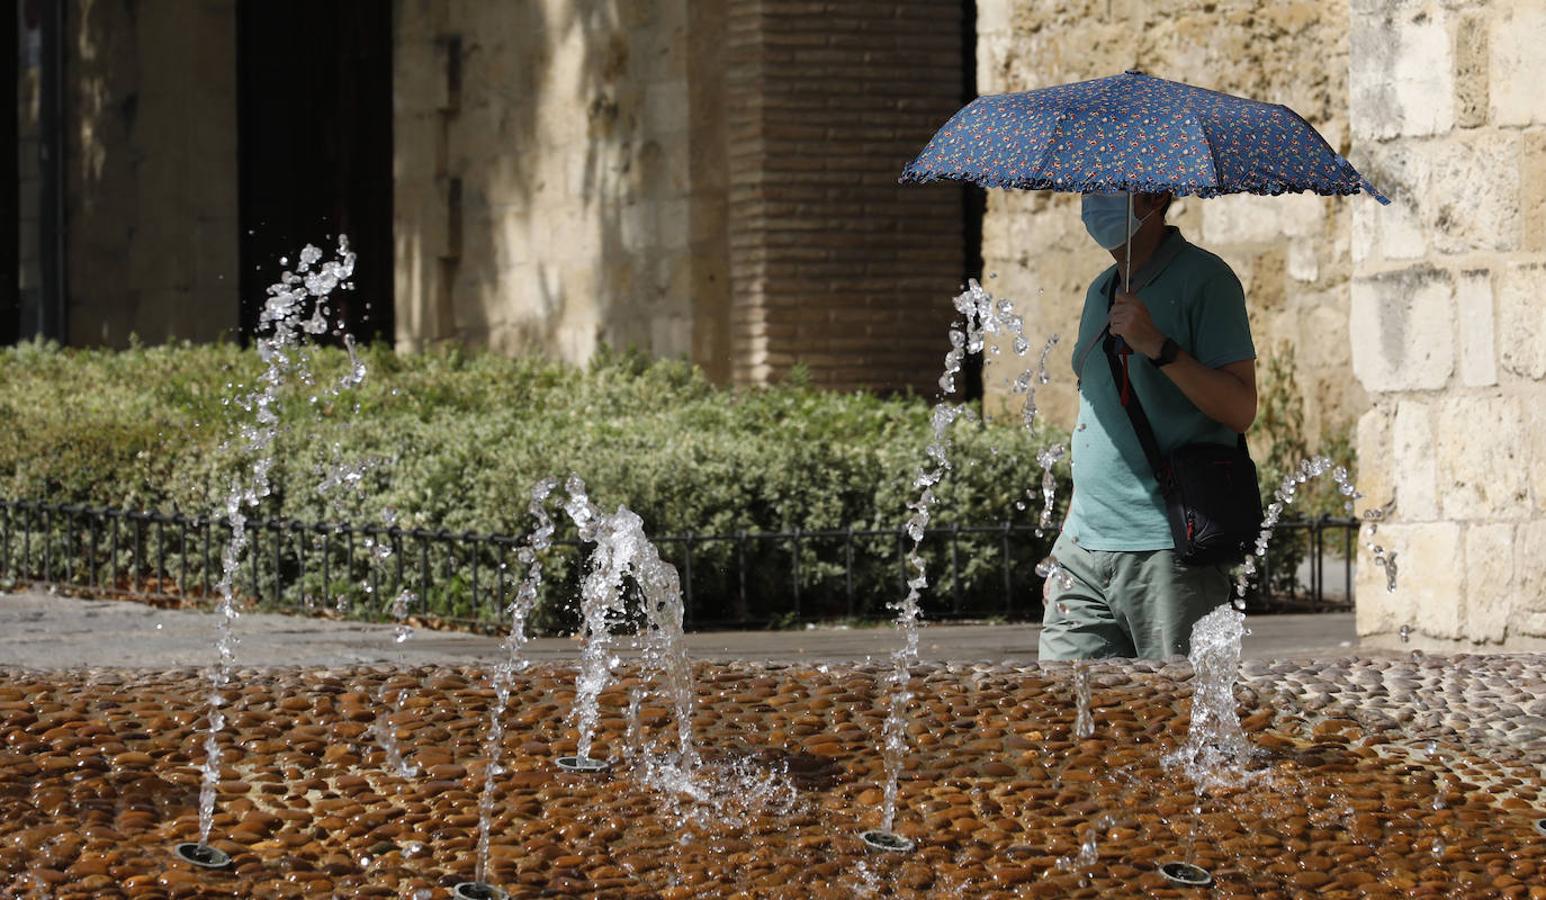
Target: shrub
1280,430
455,441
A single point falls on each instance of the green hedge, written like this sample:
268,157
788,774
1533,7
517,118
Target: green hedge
460,438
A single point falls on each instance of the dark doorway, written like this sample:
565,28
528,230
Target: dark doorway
10,194
315,148
974,199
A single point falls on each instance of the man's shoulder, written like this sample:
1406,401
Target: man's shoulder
1204,265
1103,280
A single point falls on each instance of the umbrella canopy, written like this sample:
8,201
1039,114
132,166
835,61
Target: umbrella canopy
1133,132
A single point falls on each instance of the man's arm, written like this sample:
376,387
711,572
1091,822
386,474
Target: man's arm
1226,395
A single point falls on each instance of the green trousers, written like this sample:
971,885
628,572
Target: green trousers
1139,603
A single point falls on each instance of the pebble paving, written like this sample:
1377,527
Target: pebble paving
1389,777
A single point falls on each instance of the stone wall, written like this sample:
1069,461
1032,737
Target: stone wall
1449,325
547,196
1291,252
151,183
608,172
835,265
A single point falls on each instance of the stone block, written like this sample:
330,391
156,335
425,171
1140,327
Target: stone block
1261,275
1375,446
1251,219
1414,460
1471,70
1478,349
1532,398
1469,192
1459,194
1482,458
1393,232
1532,187
1522,321
1430,584
1302,263
1365,236
1324,343
671,336
666,109
1517,64
1401,326
1489,581
1530,567
993,18
1401,79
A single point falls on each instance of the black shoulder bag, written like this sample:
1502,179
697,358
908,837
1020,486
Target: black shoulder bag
1211,496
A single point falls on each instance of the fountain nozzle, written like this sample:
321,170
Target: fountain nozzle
477,890
202,855
1540,827
886,840
1187,874
583,764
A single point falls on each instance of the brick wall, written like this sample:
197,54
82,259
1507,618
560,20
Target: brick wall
835,265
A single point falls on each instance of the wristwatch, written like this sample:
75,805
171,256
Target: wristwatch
1167,354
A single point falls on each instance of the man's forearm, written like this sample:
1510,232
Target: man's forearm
1220,395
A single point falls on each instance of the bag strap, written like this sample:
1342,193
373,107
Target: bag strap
1174,514
1117,359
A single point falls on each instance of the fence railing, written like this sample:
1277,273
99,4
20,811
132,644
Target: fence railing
738,579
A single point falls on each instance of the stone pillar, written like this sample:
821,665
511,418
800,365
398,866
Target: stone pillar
1447,324
151,205
836,266
545,198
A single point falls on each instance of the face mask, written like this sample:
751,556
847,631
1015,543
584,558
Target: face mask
1107,220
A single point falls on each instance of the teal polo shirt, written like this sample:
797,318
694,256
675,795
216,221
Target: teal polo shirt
1196,300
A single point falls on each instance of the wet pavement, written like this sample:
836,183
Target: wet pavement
38,630
1390,778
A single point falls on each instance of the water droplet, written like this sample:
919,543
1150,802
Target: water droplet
1406,633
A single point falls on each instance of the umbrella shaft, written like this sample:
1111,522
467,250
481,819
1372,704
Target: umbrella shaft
1127,270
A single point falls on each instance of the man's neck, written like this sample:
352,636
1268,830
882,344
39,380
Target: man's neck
1145,241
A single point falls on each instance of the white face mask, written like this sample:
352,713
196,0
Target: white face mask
1107,220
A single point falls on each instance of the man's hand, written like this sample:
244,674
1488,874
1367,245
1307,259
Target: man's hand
1130,321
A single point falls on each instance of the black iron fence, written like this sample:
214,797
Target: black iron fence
740,579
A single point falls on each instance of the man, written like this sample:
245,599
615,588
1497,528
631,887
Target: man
1193,368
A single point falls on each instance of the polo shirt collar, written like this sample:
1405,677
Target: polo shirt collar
1169,248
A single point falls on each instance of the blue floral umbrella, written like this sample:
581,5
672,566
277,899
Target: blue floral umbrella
1133,132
